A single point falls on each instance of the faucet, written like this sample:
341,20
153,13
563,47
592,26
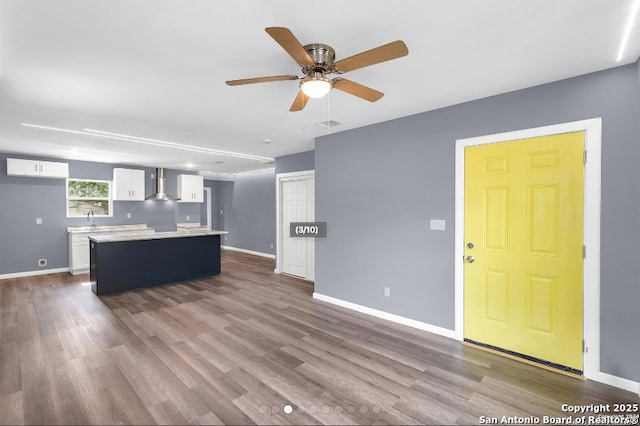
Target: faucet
91,217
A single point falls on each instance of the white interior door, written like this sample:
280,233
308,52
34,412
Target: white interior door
298,203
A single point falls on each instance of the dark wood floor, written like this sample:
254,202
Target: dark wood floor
237,348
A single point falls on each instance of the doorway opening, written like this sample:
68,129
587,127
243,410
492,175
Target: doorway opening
295,195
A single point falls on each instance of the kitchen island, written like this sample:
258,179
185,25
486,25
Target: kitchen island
128,261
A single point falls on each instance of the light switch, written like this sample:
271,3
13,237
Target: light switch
38,221
437,224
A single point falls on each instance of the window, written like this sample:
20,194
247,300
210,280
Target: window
84,195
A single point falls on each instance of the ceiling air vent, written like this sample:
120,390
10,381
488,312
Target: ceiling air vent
328,124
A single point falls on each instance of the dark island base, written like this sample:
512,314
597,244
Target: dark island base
125,265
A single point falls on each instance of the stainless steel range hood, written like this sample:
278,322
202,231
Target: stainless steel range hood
161,184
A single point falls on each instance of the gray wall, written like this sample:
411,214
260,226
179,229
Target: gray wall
248,204
249,211
378,186
23,199
295,162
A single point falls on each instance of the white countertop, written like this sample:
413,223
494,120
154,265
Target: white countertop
108,228
111,238
190,225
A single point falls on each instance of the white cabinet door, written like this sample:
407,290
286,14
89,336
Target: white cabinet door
128,185
53,169
191,188
78,253
18,167
49,169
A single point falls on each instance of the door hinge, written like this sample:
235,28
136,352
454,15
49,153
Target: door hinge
584,347
584,252
585,157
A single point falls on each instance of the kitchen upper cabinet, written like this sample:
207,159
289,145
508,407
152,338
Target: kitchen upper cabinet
128,185
191,188
44,169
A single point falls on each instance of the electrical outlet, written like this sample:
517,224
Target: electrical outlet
38,221
128,215
42,262
271,245
187,217
387,292
221,212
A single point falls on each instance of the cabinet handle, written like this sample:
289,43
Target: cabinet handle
40,168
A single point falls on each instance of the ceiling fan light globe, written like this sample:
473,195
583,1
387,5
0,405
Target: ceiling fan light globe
315,87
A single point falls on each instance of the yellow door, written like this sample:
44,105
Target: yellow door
524,232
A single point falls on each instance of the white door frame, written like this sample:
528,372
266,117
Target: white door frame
280,178
207,190
591,264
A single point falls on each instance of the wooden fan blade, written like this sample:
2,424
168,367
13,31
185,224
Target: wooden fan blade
261,80
383,53
357,89
290,43
300,102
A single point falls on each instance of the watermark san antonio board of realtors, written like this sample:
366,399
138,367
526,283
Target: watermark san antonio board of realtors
599,419
592,414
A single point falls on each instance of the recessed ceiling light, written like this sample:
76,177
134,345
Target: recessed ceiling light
266,141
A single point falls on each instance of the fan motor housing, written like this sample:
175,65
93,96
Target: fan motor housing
323,55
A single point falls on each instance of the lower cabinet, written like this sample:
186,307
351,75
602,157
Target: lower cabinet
79,253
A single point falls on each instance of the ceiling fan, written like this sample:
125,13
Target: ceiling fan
317,60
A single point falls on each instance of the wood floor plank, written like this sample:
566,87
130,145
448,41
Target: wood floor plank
238,347
166,413
122,402
10,368
174,362
11,409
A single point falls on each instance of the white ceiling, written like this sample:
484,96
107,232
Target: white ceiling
156,69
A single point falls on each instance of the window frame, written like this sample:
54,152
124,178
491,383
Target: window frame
108,199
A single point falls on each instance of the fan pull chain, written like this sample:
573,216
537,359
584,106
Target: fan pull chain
329,113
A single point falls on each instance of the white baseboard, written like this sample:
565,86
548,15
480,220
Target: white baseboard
387,316
601,377
255,253
616,381
33,273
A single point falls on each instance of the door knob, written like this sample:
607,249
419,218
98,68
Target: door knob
470,259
